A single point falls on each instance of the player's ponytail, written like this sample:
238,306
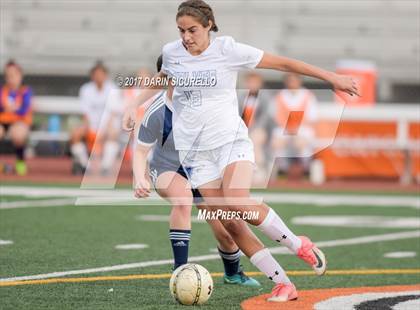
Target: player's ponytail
200,10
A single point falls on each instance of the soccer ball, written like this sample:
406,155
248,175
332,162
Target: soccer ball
191,284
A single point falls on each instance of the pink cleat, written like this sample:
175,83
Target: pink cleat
283,292
313,256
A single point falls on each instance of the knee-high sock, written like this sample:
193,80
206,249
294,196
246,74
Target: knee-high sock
230,261
180,240
276,230
266,263
80,153
110,153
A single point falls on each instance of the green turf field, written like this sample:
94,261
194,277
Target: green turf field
72,238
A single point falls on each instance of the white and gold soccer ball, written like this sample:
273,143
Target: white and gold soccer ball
191,284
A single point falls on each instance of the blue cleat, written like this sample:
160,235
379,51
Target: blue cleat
241,278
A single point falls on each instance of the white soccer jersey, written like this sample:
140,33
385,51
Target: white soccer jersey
94,102
204,99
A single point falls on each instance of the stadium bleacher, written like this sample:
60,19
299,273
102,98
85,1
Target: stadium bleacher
382,31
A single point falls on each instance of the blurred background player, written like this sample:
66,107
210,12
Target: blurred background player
132,92
253,104
94,96
129,94
295,113
15,113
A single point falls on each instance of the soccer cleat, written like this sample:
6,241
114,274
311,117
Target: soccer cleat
283,292
20,168
241,278
313,256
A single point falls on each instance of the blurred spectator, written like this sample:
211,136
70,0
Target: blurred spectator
128,95
131,93
94,96
255,113
15,113
295,113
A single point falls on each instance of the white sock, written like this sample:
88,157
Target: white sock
80,153
266,263
110,153
273,227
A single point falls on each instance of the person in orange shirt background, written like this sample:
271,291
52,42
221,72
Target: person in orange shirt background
15,112
295,114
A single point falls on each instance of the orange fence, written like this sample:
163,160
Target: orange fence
370,149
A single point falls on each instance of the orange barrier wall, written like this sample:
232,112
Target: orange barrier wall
355,161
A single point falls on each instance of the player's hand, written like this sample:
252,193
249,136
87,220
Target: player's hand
142,189
345,84
129,118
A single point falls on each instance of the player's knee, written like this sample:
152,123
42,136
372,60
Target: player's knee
19,134
182,209
235,202
232,226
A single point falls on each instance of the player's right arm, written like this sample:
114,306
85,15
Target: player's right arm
146,139
142,185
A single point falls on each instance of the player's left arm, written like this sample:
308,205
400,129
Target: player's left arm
339,82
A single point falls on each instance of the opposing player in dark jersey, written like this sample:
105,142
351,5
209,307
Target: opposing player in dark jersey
170,181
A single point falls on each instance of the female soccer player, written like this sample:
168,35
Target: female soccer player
170,181
212,139
16,112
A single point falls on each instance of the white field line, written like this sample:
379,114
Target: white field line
275,250
325,220
360,221
125,196
6,242
164,218
406,254
37,203
327,200
131,246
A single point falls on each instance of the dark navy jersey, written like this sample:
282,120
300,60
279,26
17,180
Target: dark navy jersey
156,131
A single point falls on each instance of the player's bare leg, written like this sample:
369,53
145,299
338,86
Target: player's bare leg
175,189
249,244
236,183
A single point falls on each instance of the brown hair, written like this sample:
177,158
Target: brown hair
99,65
12,63
200,10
